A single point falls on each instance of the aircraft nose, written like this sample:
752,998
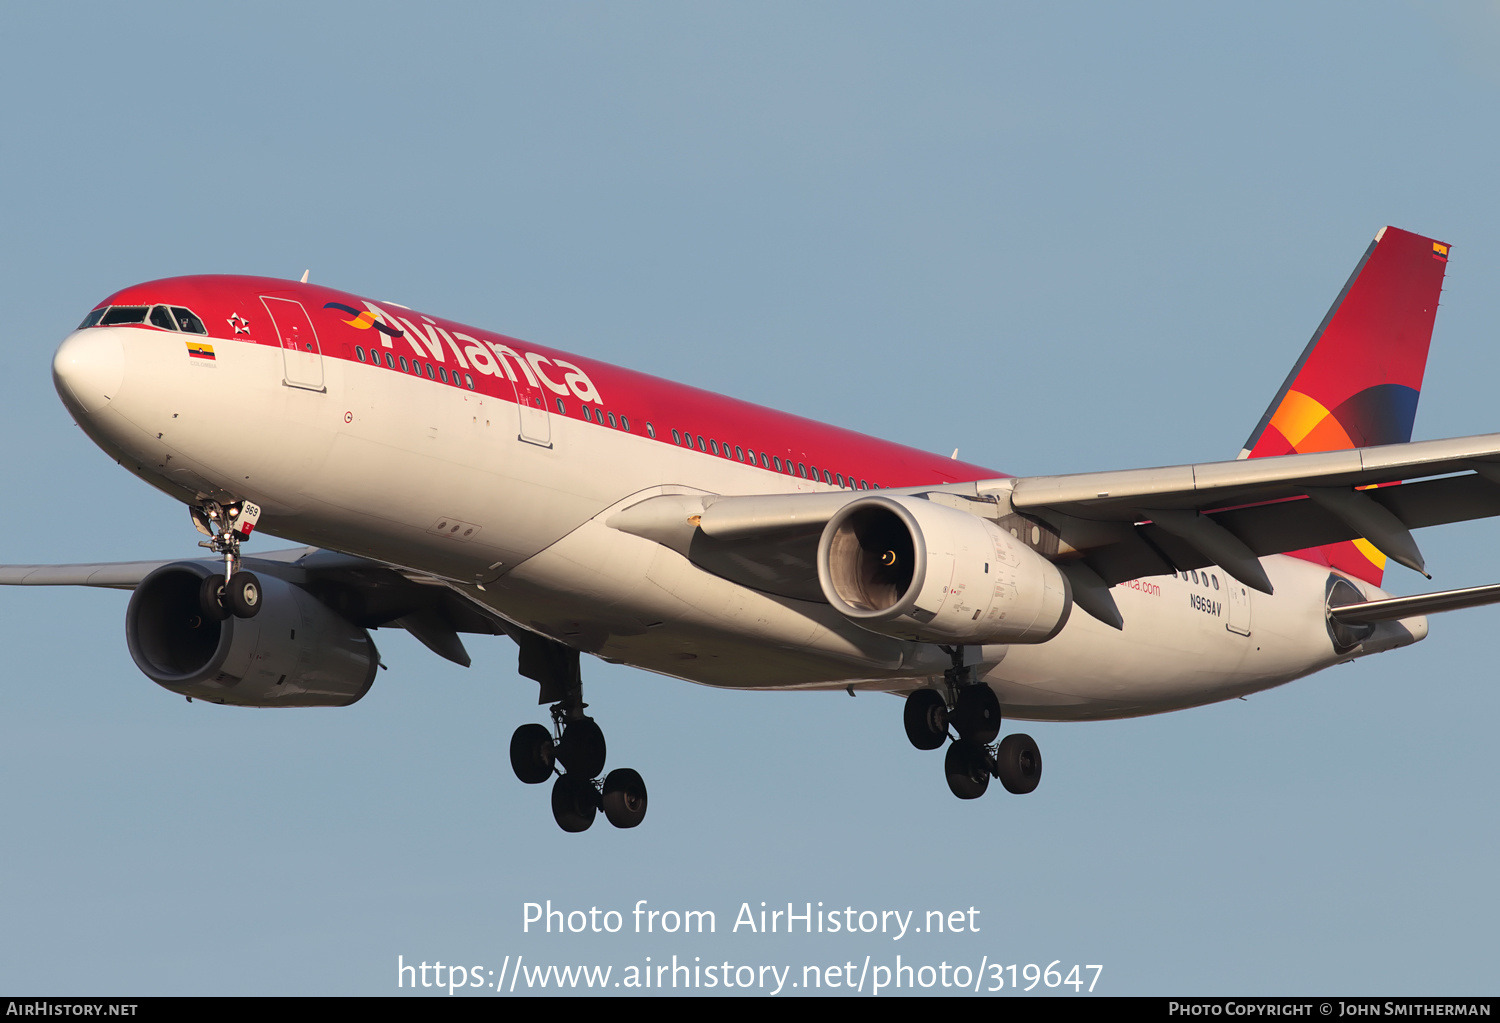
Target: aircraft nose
88,368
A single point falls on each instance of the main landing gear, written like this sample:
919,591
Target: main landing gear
235,592
972,709
576,743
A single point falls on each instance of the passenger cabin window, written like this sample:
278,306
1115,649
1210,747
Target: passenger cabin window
561,407
650,431
676,437
359,353
625,423
403,364
390,361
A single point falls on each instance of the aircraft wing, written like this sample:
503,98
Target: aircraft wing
118,575
1106,527
368,593
1150,521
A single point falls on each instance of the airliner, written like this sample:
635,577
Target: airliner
450,480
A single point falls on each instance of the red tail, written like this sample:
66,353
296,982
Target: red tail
1358,381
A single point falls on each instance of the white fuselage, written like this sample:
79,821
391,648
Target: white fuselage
440,480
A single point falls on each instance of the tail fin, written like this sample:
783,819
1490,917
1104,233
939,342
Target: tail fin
1358,381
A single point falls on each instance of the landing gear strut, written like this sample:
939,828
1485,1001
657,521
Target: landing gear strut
575,743
236,592
973,709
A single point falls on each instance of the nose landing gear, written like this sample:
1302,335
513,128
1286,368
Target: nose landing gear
971,708
235,593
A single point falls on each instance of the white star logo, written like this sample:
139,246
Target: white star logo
240,324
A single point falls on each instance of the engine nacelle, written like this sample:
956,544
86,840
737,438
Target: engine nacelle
295,653
909,568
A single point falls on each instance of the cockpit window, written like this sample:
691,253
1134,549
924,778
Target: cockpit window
165,317
188,322
123,314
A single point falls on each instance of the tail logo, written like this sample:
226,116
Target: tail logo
1382,414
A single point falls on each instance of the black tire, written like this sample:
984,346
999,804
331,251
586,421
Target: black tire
243,595
926,719
574,803
968,769
624,798
582,749
976,714
211,598
531,754
1020,763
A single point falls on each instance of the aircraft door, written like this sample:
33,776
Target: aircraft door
536,424
302,358
1239,608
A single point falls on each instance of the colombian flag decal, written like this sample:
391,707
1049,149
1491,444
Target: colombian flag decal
200,350
1440,252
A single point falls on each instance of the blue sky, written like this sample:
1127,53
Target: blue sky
1059,238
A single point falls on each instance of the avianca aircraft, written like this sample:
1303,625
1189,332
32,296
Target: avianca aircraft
448,479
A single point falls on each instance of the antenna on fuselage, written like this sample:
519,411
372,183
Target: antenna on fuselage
304,275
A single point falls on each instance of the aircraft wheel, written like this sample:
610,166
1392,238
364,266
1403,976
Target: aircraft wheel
1020,763
968,769
211,598
532,753
624,798
574,802
976,714
243,595
926,719
582,749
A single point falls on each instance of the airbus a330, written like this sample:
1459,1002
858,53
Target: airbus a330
446,480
